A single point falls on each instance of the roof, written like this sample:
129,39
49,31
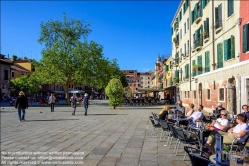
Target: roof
6,61
18,68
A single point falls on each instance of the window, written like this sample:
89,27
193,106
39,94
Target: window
220,55
206,28
12,74
221,94
22,74
187,23
148,77
184,48
207,61
245,44
180,34
199,62
218,16
130,84
134,84
188,94
185,94
188,47
148,82
6,74
187,71
195,94
229,48
185,28
141,78
208,94
230,7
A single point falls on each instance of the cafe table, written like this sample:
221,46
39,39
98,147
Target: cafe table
232,161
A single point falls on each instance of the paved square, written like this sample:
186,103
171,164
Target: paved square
105,137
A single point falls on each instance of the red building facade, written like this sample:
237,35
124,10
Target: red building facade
244,30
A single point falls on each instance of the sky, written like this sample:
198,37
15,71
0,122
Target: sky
133,32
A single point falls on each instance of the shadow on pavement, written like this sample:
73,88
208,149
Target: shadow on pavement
107,114
50,120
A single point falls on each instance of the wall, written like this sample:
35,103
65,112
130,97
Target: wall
244,14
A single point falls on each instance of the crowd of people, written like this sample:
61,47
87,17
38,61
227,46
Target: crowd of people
229,128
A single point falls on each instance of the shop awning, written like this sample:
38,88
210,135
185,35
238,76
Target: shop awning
59,92
76,91
148,90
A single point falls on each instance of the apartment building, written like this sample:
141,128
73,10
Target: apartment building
133,78
5,70
145,79
244,48
205,53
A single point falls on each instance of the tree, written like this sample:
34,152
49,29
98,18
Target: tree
28,84
115,91
14,57
69,58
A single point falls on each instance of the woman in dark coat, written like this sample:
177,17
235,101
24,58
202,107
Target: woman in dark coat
21,105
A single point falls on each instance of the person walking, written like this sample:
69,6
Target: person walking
86,103
21,105
51,101
73,100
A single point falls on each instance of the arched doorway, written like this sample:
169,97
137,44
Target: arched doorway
200,93
231,96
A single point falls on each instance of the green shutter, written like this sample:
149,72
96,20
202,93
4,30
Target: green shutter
220,12
216,15
177,73
184,8
199,62
181,73
180,15
167,68
229,48
230,7
245,38
226,50
207,61
207,30
232,47
205,26
194,72
195,11
192,16
220,55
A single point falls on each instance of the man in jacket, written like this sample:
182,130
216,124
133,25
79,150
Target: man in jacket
51,101
21,105
86,102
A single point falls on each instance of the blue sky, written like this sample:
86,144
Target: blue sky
133,32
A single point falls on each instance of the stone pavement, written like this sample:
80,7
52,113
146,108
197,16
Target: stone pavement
105,137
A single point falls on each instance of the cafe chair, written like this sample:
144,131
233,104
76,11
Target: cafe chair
165,129
185,138
238,145
173,134
197,157
156,126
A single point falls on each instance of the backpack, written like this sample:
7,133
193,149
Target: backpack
73,99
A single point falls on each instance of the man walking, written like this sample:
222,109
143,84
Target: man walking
86,102
21,105
73,100
51,101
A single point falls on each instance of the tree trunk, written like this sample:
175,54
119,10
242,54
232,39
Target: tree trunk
67,94
114,106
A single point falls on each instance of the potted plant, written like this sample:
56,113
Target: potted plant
174,40
204,33
176,80
195,67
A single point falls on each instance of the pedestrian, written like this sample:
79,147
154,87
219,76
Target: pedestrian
73,100
51,101
21,105
86,103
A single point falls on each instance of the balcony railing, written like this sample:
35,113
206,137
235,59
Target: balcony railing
176,26
198,42
206,35
218,25
198,16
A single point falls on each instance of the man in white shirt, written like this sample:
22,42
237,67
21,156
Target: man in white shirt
197,115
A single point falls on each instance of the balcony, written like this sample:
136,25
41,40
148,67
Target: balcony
176,80
198,16
193,49
176,26
218,26
186,78
198,43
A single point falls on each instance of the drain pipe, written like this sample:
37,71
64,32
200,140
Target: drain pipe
190,78
213,29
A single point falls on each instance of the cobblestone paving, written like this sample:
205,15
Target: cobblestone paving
107,137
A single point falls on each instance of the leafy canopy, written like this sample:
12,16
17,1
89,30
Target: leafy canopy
115,91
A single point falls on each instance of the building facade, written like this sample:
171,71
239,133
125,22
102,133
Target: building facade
205,41
5,71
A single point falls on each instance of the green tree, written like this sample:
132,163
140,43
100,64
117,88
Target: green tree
68,56
14,57
115,91
28,84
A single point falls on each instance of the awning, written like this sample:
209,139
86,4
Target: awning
148,90
46,91
76,91
59,92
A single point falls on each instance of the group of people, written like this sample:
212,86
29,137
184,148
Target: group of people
21,104
219,125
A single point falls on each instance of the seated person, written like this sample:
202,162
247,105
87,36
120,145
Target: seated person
217,110
179,108
241,131
245,109
197,115
221,124
164,112
191,110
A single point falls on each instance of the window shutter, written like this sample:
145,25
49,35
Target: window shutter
203,4
230,7
207,21
207,62
245,38
220,12
225,50
187,70
194,71
181,73
220,55
205,26
177,73
192,16
232,47
167,68
216,15
199,62
196,11
229,49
